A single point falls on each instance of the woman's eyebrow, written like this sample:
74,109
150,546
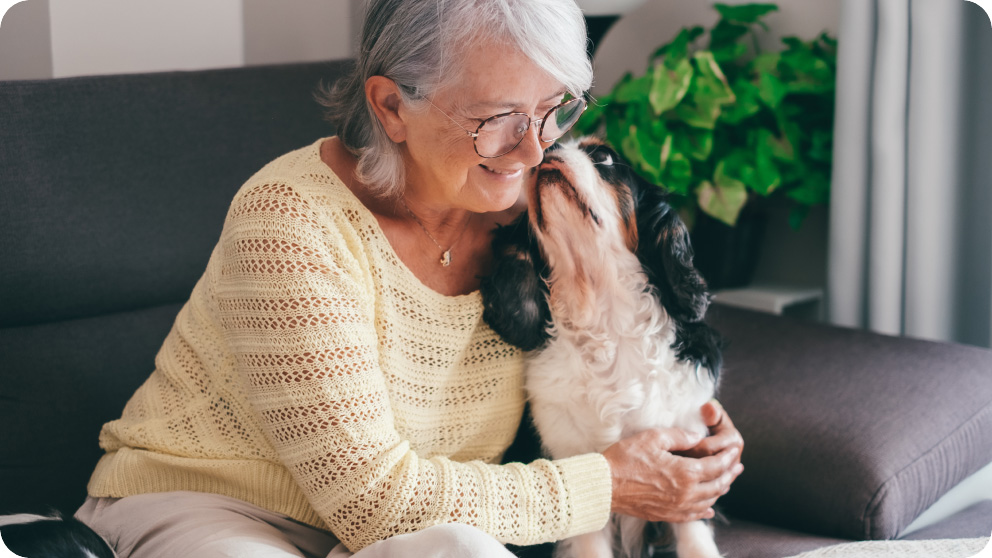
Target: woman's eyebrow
509,105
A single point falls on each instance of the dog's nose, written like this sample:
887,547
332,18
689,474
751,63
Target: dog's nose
549,153
550,159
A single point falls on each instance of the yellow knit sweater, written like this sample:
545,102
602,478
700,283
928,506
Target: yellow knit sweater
312,374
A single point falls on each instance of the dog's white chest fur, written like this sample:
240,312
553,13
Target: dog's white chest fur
609,376
616,376
616,260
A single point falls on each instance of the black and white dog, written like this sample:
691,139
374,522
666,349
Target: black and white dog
40,536
597,281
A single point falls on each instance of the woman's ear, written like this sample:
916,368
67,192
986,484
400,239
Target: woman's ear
384,96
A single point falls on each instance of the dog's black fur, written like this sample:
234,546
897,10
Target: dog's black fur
54,537
515,293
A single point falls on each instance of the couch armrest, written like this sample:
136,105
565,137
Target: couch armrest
847,433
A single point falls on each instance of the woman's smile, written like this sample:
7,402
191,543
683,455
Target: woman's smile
504,173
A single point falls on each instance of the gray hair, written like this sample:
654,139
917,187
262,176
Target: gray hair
416,43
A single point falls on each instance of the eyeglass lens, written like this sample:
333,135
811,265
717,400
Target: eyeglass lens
501,134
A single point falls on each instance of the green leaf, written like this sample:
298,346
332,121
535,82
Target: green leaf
699,115
659,129
666,152
754,165
813,190
669,86
706,98
645,154
766,177
771,90
711,83
792,135
748,103
728,54
678,48
766,63
822,149
804,70
726,33
616,132
827,41
633,90
739,165
808,57
631,148
695,142
793,42
745,13
678,174
781,148
722,200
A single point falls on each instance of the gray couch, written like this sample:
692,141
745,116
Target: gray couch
113,191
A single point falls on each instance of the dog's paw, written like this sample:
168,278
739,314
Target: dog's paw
690,550
695,540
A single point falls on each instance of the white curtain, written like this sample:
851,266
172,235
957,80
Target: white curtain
910,250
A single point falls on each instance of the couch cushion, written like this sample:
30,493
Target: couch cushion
973,521
114,192
744,539
61,382
115,187
849,434
739,538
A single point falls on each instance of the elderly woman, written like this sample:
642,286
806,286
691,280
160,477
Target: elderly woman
330,386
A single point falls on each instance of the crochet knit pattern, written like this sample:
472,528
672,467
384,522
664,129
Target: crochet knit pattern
312,374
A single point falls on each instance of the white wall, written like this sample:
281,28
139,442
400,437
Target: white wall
61,38
297,30
25,41
123,36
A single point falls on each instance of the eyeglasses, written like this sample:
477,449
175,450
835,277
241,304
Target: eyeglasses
501,134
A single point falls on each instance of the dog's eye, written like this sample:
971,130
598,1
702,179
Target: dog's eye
601,158
595,218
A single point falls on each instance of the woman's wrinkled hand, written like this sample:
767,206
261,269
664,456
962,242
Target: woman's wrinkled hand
668,474
723,434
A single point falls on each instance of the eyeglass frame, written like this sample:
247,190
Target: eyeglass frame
530,122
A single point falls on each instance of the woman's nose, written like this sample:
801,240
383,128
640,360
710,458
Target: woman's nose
530,151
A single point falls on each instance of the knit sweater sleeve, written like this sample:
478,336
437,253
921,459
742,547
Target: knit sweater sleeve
297,312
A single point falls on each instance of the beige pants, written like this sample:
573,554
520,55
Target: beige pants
197,525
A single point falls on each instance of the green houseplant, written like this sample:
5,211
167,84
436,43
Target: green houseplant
722,124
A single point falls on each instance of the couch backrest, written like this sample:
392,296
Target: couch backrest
113,191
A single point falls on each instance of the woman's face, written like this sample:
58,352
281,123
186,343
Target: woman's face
442,166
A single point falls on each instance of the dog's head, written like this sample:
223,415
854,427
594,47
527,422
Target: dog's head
37,535
587,202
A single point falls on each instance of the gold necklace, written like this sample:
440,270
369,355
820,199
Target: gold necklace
445,259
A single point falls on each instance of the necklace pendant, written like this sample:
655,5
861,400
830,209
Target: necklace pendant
446,258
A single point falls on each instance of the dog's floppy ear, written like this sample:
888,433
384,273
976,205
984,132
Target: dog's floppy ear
515,295
666,254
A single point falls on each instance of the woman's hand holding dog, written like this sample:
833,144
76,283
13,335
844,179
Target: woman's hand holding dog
668,474
723,434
